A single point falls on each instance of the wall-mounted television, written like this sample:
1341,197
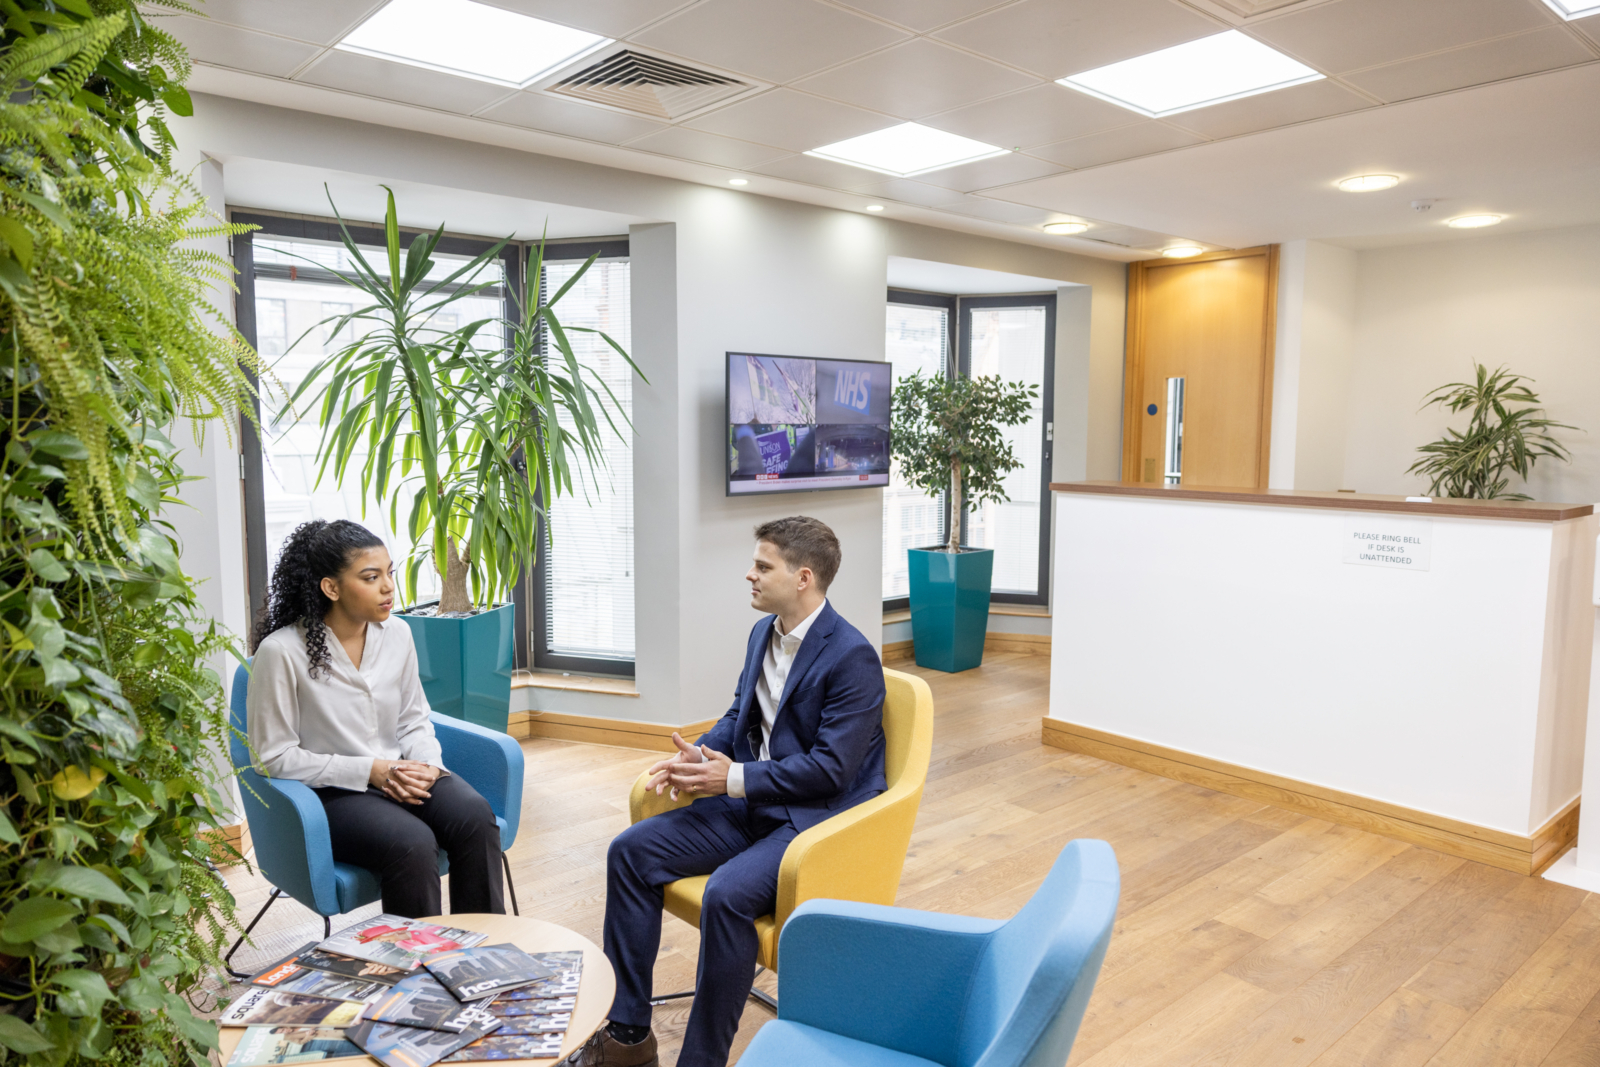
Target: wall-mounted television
797,424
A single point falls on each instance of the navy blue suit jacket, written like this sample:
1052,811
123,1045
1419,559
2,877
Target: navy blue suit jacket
827,740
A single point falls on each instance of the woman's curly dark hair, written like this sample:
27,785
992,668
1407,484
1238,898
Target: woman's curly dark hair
316,550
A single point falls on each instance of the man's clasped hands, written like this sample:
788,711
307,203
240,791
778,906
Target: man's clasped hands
696,770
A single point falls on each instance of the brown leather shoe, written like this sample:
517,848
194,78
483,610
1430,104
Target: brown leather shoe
603,1050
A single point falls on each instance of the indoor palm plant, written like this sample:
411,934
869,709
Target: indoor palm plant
947,437
1506,433
109,913
464,436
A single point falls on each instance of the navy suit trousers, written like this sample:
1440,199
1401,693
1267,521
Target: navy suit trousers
741,850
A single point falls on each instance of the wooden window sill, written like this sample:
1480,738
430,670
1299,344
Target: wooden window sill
575,683
1036,610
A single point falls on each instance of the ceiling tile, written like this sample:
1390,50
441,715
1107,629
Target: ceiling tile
1298,103
774,40
1041,115
1505,57
823,172
614,18
707,148
402,82
1000,211
1127,236
923,15
997,170
913,192
791,120
318,21
229,46
917,78
537,111
1141,139
1589,27
1352,34
1054,38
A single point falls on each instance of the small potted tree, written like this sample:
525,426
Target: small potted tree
1506,434
947,438
463,436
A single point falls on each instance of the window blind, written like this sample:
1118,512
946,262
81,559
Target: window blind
917,338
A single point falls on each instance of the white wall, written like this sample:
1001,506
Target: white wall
715,270
1313,357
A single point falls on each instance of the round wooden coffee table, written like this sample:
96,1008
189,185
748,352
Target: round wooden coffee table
595,990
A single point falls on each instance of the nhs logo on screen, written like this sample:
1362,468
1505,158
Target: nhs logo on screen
853,389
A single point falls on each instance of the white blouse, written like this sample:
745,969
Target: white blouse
326,731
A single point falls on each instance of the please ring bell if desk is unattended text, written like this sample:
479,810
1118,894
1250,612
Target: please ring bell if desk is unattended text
1417,669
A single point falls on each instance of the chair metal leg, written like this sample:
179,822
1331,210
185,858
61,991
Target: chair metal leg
764,999
274,895
511,888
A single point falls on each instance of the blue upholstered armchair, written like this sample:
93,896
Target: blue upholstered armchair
863,985
289,828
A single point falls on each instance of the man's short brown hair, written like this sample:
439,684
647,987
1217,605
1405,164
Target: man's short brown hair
804,542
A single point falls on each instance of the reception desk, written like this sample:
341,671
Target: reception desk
1418,669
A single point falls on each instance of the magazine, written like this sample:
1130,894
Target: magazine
264,1046
410,1046
318,960
397,942
419,1000
549,1006
564,983
291,977
534,1024
260,1006
474,973
511,1047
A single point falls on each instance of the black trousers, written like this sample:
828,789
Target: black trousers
401,843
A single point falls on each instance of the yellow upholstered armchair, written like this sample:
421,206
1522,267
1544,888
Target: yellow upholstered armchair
855,855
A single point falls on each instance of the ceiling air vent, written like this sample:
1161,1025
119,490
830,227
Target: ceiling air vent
641,84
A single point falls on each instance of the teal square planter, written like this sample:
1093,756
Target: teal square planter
950,606
466,664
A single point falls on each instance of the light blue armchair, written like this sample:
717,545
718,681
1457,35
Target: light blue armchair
863,985
289,828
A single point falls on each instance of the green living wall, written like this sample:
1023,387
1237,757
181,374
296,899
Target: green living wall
109,912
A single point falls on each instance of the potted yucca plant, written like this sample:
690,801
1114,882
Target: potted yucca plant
1506,434
464,436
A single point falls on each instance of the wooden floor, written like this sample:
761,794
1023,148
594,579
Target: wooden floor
1247,935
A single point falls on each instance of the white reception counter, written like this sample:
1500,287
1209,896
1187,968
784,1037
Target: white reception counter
1416,669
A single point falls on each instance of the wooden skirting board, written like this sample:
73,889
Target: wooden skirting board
237,835
1529,854
621,733
1039,644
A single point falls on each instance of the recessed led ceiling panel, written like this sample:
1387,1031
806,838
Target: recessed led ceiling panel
470,39
1574,9
907,149
1224,66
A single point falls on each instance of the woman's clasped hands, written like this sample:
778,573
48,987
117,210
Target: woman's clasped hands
403,781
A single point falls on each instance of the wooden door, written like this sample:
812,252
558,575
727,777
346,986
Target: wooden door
1209,321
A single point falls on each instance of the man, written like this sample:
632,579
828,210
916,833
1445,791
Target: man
802,741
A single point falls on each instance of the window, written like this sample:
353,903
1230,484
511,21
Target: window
583,584
917,338
289,284
1014,337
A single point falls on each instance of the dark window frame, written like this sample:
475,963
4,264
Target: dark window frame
952,307
536,588
1048,302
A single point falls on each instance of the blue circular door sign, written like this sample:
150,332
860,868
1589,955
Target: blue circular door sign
1151,409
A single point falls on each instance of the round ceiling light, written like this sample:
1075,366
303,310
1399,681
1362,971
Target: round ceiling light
1065,229
1369,183
1472,222
874,207
738,181
1182,251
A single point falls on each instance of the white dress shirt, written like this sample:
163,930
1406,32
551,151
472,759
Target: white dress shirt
326,731
781,650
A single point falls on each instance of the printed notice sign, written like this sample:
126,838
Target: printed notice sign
1388,541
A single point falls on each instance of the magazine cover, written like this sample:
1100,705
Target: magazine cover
419,1000
318,960
517,1047
551,1007
260,1006
263,1046
397,942
408,1046
564,983
474,973
534,1024
293,978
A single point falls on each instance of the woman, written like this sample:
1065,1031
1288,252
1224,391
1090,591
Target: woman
336,702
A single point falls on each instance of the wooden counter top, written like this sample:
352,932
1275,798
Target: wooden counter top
1525,510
